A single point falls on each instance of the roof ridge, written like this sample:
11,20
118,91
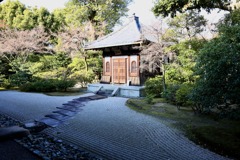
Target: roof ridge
132,32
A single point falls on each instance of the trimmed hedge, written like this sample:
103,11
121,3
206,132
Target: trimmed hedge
48,85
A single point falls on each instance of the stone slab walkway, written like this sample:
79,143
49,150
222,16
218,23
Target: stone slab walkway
108,128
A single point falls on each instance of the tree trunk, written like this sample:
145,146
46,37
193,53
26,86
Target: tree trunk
163,79
86,64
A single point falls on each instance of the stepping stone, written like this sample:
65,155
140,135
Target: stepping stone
80,103
74,104
70,108
58,117
13,132
49,121
69,104
35,126
96,97
65,112
82,99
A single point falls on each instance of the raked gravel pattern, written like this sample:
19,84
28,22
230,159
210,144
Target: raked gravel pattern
30,106
108,128
47,147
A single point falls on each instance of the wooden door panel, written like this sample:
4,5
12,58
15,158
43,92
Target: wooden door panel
115,71
119,70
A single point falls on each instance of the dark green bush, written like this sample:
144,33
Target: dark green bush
83,77
154,86
149,98
39,86
170,93
5,83
233,114
20,78
62,85
49,85
183,93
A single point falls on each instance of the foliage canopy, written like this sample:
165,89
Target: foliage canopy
171,7
218,67
98,12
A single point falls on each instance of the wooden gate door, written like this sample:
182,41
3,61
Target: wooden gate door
119,70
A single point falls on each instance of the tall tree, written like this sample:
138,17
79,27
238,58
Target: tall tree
10,10
218,68
171,7
187,25
15,15
182,68
97,12
59,21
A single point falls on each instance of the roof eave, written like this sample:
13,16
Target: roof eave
115,45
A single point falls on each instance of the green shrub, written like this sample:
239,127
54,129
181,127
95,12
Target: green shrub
230,113
183,93
154,86
39,86
149,98
83,77
49,85
170,93
20,78
4,82
62,85
28,87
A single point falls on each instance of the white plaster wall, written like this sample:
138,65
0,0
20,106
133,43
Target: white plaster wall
106,59
133,58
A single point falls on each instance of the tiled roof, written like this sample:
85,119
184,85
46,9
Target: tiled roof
132,33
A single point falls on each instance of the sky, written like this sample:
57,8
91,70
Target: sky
49,4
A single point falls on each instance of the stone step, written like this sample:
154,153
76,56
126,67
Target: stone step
96,97
49,121
34,126
105,92
58,117
70,108
65,112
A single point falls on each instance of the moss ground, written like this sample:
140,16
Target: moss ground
219,135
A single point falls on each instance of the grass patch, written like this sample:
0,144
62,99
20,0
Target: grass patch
159,108
221,136
225,141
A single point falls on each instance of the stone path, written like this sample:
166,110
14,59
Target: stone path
65,111
108,128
